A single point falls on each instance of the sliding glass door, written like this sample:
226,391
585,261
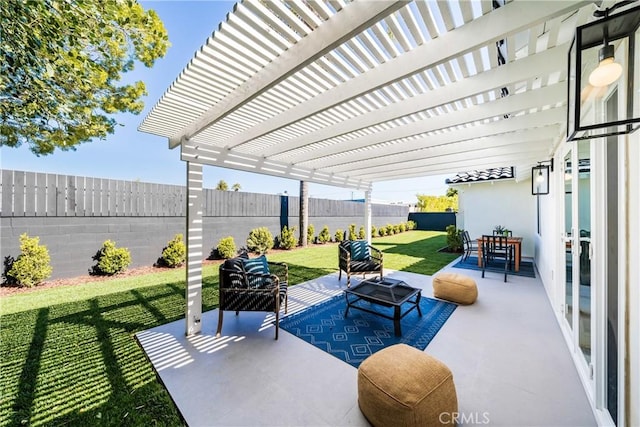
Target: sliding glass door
582,284
611,314
568,239
590,293
576,168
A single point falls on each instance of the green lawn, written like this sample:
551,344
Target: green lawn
68,356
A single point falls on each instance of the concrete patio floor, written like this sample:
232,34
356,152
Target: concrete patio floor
509,360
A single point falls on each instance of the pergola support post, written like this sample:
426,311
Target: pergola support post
367,215
194,248
304,212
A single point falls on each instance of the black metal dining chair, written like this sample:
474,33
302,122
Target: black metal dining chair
469,245
496,247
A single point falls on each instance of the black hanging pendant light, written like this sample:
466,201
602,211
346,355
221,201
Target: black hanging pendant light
603,72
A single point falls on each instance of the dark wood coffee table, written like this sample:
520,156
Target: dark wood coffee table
386,292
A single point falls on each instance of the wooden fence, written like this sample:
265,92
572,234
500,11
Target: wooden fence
74,215
43,194
33,194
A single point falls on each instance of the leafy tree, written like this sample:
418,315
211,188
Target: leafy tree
236,187
222,185
437,203
452,192
61,67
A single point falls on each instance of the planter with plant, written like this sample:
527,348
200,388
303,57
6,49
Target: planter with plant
500,230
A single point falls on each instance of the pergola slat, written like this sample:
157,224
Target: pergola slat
541,119
391,71
468,145
312,82
519,70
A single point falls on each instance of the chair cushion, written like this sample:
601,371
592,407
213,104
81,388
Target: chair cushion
364,266
257,265
359,250
254,266
234,277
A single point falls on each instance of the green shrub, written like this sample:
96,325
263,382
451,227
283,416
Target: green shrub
361,233
227,247
411,225
390,230
352,232
396,229
324,235
403,227
287,239
111,260
32,265
382,231
260,240
339,236
454,238
174,254
374,231
310,233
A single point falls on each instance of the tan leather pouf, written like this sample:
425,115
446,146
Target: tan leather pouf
403,386
455,287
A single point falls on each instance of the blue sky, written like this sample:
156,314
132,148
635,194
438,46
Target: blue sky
132,155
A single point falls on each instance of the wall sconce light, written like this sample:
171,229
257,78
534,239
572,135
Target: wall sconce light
540,177
602,68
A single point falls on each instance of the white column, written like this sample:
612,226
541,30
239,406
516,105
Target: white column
304,212
633,191
367,215
194,248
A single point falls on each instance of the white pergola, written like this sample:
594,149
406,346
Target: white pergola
351,93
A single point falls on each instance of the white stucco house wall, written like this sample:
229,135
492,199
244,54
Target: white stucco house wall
484,203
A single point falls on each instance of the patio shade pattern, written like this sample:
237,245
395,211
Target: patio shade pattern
351,93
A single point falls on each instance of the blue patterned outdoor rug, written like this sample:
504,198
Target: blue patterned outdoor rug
361,334
471,263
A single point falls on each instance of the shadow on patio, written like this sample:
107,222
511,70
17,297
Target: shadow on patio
508,357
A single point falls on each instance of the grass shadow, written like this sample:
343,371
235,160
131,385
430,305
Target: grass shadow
23,406
416,255
79,364
300,274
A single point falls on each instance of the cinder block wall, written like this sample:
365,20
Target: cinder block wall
73,216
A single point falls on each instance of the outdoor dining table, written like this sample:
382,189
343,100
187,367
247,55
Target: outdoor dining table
516,242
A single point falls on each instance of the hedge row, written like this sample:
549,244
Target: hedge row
33,265
260,239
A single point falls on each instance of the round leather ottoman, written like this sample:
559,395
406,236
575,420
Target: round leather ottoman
455,287
403,386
